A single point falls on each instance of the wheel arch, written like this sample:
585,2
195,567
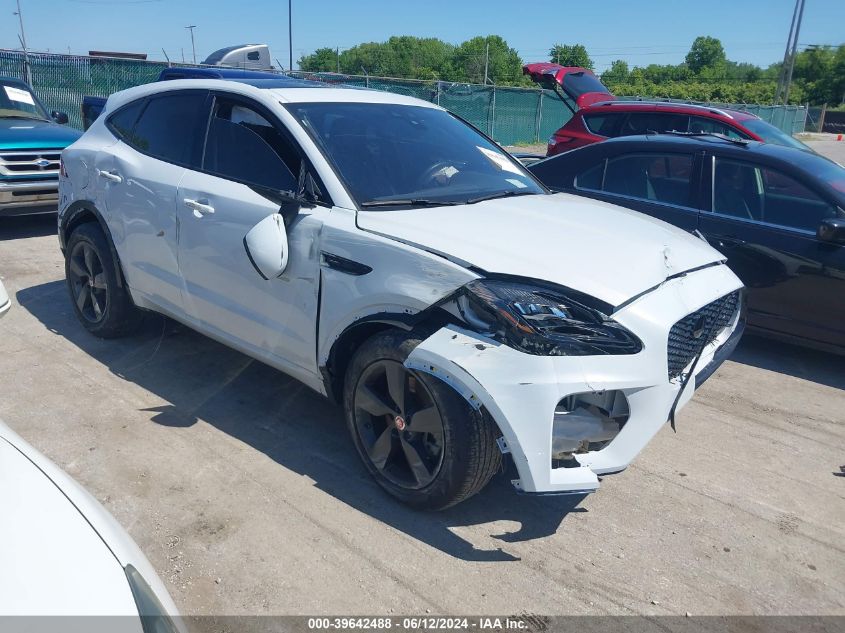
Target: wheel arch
356,333
85,212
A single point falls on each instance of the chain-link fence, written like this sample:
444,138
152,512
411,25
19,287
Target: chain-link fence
512,116
60,81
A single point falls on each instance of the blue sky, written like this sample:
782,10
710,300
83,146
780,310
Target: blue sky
641,32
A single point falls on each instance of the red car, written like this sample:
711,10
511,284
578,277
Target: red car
598,115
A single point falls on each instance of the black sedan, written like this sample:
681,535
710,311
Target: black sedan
777,214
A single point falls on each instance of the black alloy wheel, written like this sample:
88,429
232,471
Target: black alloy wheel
399,424
88,282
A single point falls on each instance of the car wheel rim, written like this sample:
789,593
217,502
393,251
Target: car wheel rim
399,424
88,282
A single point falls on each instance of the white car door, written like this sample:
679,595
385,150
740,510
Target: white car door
139,178
273,319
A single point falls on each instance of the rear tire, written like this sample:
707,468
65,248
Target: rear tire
102,305
432,450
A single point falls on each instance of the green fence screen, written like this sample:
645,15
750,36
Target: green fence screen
510,115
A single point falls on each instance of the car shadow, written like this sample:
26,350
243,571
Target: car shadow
201,379
17,226
820,367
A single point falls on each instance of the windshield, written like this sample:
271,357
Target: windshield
16,101
770,134
391,155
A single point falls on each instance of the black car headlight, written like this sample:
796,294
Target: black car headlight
540,320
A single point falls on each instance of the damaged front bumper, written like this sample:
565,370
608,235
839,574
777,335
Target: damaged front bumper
522,392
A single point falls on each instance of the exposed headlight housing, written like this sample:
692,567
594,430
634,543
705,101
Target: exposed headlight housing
542,320
154,618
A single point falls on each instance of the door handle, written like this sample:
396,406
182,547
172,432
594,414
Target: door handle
200,207
729,242
110,175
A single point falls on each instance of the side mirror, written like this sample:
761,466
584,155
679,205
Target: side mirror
832,230
266,246
59,117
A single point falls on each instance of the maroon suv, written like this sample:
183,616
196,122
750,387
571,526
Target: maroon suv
598,115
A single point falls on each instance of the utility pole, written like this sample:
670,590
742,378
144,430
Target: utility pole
486,60
794,53
27,68
785,76
337,56
290,34
782,73
191,28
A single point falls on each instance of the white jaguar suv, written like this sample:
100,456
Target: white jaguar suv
393,258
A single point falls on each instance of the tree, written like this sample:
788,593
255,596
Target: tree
504,66
617,73
705,52
321,60
574,55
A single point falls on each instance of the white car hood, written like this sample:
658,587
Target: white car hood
52,560
61,552
594,247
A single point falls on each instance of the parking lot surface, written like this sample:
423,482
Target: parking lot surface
243,488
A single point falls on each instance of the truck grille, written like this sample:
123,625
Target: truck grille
686,336
35,162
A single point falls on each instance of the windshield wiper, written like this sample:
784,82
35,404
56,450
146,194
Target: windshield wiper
23,116
500,194
411,202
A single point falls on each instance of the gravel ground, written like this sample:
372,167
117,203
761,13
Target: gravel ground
242,487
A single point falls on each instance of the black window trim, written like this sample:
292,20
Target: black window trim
146,102
271,118
708,208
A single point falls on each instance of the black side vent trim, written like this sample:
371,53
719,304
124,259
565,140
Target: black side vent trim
341,264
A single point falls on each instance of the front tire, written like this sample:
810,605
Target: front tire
417,437
102,305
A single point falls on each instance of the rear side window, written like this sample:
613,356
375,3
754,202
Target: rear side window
122,121
604,124
654,177
170,128
712,126
645,122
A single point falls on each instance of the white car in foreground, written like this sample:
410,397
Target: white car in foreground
390,256
5,302
62,553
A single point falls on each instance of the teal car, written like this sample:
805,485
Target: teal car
31,144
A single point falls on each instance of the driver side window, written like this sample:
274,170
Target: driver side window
767,195
244,146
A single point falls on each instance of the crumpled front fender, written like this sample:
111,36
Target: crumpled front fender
519,391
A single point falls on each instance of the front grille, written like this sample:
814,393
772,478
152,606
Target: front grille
686,336
36,162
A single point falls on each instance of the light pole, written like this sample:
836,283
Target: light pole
290,35
27,69
191,28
